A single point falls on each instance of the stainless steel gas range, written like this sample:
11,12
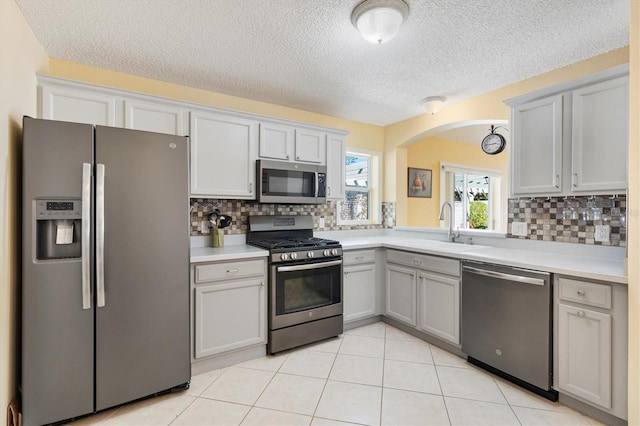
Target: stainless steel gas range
305,280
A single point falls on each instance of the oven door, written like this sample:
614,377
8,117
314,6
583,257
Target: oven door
305,292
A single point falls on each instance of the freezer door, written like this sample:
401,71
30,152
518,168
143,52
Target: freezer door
142,318
57,330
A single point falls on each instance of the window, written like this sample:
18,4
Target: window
361,204
475,195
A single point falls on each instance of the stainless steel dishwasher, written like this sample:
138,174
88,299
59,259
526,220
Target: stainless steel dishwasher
507,324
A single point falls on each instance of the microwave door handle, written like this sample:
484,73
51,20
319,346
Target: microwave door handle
317,183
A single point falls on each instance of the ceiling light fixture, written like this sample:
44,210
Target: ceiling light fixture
379,20
433,104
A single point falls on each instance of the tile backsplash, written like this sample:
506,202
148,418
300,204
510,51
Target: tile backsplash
240,210
544,219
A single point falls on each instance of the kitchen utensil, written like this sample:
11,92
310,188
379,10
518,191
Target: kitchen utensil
225,221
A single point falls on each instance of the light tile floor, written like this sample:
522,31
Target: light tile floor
371,375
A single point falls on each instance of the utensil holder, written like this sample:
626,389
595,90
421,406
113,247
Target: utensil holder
218,238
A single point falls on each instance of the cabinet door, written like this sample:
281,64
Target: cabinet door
600,136
311,146
584,354
359,290
80,106
401,294
440,306
223,154
153,117
276,141
537,146
336,148
229,316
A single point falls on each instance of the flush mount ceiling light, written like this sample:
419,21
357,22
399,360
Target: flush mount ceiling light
433,104
379,20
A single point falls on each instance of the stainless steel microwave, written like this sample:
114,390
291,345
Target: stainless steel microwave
290,183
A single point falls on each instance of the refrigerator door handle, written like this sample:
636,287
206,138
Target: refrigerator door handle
86,236
100,234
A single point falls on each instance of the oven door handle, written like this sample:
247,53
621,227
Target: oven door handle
309,266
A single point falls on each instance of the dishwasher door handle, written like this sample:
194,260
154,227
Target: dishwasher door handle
503,276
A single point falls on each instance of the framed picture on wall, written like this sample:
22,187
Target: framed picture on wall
419,183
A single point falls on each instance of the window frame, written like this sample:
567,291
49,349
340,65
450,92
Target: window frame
495,206
373,188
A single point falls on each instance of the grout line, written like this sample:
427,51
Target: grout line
444,401
327,379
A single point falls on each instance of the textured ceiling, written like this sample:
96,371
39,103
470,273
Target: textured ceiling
306,54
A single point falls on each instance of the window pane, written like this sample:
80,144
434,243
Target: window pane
355,206
357,171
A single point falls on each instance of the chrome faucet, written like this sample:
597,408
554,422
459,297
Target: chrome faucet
450,235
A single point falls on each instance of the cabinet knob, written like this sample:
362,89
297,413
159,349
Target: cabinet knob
232,271
417,261
557,184
359,257
580,292
288,156
346,273
328,190
297,157
250,187
581,314
262,284
575,180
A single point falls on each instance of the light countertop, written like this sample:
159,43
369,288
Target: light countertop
611,270
229,252
605,269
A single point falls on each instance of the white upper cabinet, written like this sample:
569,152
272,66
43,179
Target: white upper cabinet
224,144
311,146
336,151
80,106
154,117
600,136
572,138
537,155
223,154
276,141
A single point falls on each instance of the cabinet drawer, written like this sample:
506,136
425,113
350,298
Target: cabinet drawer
585,292
421,261
360,256
229,270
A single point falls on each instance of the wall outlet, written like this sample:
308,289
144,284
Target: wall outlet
321,222
204,226
603,232
519,229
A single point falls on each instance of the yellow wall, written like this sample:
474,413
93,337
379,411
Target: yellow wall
489,106
633,211
20,57
362,135
427,154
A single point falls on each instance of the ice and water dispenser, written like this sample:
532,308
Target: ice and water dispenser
58,229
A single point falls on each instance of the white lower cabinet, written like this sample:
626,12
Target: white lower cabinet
401,294
440,306
229,316
584,354
424,291
359,291
229,306
591,342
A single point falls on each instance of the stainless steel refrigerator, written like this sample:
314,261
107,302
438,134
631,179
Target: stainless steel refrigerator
105,278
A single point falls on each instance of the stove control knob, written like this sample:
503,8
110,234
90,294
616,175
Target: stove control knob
293,256
326,252
309,254
334,252
284,256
